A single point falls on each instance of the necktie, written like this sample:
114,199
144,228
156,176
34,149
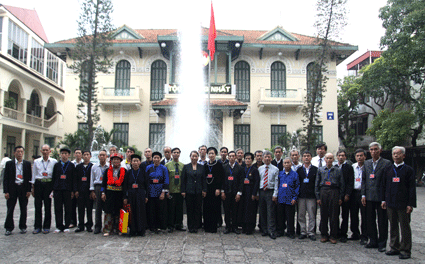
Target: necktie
266,178
176,180
320,162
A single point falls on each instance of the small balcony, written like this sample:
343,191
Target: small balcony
14,114
28,118
123,96
283,98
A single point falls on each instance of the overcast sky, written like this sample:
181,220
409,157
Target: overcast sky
364,27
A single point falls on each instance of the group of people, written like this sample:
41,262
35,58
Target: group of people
243,183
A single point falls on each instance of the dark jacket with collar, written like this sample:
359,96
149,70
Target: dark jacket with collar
348,174
193,181
9,185
82,172
371,187
399,194
233,178
279,166
66,184
307,190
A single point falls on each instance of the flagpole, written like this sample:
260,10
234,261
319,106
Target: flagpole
209,85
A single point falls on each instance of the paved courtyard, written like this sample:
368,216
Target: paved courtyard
182,247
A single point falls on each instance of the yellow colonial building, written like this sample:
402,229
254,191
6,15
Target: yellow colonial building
259,81
31,84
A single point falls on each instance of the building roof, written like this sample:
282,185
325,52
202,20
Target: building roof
249,37
361,60
30,19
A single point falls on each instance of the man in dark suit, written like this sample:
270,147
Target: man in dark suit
348,174
399,198
278,162
231,193
371,198
16,186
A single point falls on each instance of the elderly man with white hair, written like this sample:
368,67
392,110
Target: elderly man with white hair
399,197
371,186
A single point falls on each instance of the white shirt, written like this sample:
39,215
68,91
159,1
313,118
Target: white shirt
96,175
126,165
41,167
398,165
166,161
358,172
315,161
77,162
272,174
3,162
19,177
295,167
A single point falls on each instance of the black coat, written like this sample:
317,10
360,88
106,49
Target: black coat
141,180
307,190
193,182
371,187
279,166
82,172
232,182
64,184
10,176
402,193
348,174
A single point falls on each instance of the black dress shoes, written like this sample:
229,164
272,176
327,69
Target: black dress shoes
382,249
392,252
404,256
237,231
371,246
272,235
227,231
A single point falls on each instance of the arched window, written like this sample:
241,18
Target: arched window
242,81
278,80
122,78
158,79
33,105
313,71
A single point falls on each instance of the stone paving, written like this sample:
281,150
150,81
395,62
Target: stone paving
182,247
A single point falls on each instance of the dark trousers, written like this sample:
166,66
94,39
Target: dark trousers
193,206
98,206
355,207
42,192
267,211
286,219
230,211
175,210
156,213
18,193
62,200
85,203
74,204
345,213
329,212
136,199
374,209
400,217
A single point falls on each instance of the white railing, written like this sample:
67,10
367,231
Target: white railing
112,91
49,122
13,114
35,120
287,93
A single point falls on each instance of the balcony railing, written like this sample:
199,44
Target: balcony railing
287,93
34,120
48,123
13,114
112,91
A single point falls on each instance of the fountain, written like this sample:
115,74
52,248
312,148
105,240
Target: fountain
191,126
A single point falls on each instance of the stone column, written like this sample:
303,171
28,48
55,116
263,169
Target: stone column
228,129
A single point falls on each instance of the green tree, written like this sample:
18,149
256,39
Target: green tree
92,55
348,103
392,128
330,20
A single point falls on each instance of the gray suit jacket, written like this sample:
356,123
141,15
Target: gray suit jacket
371,186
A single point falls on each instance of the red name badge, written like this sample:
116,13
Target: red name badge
63,177
372,176
20,177
396,179
209,176
176,176
246,181
284,185
328,183
155,181
101,178
44,174
358,179
135,186
84,179
230,178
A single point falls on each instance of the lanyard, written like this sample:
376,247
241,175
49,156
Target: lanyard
42,163
19,168
210,168
231,171
305,172
329,174
85,169
247,173
360,172
395,171
66,167
137,176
